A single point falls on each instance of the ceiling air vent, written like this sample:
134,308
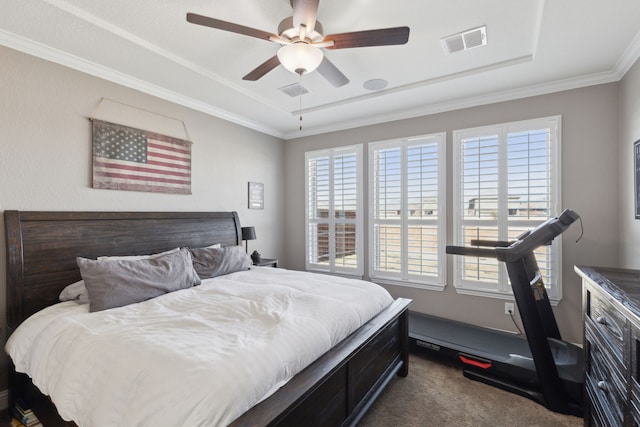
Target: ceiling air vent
294,90
465,40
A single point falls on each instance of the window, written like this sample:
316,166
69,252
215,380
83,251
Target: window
334,210
506,181
407,214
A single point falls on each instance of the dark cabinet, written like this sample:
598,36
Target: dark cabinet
611,305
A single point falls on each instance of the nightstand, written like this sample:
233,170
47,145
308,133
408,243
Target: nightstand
267,262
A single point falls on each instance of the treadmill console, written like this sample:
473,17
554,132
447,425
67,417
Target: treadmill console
543,234
526,243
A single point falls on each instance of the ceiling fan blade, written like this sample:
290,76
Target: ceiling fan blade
381,37
331,73
262,69
206,21
305,13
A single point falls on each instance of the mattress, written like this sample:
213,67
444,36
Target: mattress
200,356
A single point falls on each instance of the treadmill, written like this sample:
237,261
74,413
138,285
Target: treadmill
541,367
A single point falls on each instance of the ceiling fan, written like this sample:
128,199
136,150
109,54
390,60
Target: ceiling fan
301,38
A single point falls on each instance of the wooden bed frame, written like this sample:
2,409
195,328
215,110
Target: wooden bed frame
42,247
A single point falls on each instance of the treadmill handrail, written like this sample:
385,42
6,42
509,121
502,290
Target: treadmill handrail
471,251
491,243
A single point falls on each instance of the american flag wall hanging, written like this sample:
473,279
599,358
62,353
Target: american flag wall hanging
126,158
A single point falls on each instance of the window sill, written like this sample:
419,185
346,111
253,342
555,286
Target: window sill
407,284
335,273
498,295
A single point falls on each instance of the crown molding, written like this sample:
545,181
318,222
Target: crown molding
629,57
50,54
462,103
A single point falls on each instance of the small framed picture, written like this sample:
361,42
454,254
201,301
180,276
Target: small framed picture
256,195
636,176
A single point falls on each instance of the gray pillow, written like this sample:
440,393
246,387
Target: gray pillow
213,262
115,283
132,257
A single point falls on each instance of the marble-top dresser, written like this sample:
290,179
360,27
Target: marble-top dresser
611,307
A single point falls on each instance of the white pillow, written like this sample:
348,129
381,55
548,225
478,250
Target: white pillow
75,292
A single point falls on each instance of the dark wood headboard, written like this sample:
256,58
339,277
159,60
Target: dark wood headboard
42,246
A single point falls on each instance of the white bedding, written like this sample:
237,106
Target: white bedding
196,357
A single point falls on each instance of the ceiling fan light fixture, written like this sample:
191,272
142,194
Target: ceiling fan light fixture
300,57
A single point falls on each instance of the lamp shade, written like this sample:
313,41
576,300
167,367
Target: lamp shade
300,57
248,233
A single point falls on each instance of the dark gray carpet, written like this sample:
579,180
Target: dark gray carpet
436,394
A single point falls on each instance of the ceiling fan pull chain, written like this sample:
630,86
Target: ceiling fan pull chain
300,98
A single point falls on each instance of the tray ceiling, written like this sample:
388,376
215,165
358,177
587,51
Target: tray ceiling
533,47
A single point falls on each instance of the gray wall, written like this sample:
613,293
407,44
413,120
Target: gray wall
45,155
629,133
589,157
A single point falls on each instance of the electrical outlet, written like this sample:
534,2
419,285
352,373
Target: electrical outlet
508,308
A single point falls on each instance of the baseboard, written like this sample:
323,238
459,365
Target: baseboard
4,399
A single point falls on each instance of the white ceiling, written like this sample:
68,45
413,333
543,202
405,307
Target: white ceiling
534,47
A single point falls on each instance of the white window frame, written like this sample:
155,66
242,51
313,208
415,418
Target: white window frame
503,289
332,220
403,278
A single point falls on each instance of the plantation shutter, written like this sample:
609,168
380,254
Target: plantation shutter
334,210
406,215
505,183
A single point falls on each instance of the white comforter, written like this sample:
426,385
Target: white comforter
196,357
